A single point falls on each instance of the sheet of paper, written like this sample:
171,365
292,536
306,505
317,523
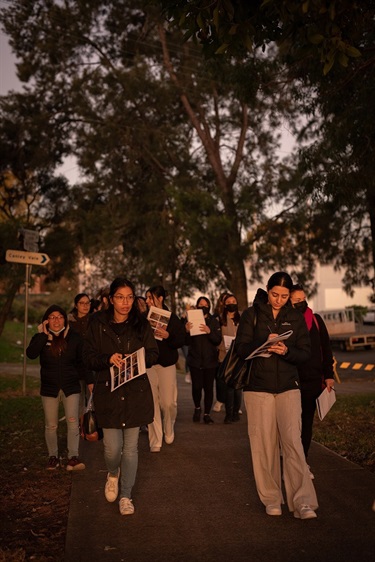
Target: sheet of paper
133,366
262,350
227,341
158,318
324,402
196,317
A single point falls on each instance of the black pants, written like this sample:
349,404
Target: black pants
233,401
308,402
203,379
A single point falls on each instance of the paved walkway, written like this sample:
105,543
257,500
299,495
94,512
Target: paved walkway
195,501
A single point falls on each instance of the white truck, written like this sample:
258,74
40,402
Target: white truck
344,332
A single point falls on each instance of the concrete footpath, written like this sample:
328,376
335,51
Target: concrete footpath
195,501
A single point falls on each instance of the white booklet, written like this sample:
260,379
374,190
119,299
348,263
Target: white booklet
158,318
262,350
196,317
324,402
227,341
133,366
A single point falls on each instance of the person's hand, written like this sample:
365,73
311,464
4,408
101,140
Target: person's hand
278,347
204,328
188,326
330,384
45,327
116,359
161,333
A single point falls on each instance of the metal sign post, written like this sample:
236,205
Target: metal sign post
29,259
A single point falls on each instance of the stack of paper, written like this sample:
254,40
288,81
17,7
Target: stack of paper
324,402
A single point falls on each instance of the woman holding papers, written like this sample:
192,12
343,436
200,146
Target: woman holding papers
229,320
113,336
316,373
169,335
273,398
204,335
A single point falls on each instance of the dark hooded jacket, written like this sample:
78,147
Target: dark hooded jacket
277,373
62,371
130,405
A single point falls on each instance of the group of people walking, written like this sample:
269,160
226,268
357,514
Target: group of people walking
77,353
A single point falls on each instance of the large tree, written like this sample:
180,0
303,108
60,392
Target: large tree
179,151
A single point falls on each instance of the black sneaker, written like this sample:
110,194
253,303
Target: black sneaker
197,415
207,419
53,463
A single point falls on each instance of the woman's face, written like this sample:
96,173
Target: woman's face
230,300
83,307
123,300
153,300
278,297
56,321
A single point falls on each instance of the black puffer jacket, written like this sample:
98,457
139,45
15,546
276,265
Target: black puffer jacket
58,372
130,405
168,349
277,373
203,352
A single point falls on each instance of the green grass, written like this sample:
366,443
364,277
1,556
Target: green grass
349,429
11,342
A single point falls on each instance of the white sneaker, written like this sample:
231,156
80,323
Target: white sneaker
111,488
217,406
304,512
188,379
169,438
273,510
126,506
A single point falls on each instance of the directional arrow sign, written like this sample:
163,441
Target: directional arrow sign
31,258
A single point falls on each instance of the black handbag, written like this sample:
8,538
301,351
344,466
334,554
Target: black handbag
90,431
234,371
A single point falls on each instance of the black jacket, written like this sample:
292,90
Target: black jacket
61,372
273,374
168,354
130,405
203,352
319,367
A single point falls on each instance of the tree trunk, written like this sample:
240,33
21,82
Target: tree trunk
4,312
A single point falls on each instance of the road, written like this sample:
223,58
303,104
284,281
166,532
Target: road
361,364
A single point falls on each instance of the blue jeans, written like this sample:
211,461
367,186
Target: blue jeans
51,422
121,451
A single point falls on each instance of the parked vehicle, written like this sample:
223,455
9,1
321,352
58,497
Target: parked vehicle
344,332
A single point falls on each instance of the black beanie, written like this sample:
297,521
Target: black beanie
55,308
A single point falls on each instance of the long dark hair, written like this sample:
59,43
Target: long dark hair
135,318
159,291
224,314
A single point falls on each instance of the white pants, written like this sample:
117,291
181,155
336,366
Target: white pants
274,422
163,382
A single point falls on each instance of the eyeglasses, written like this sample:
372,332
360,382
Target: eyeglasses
84,303
55,317
121,298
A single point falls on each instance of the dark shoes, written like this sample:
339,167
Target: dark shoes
53,463
228,419
197,415
207,419
75,464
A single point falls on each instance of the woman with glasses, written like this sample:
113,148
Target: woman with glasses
163,376
60,353
78,320
112,335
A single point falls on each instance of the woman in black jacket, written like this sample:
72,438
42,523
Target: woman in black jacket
60,354
113,334
163,376
203,360
273,398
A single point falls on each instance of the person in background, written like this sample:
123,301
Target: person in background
103,297
273,398
78,319
163,375
219,384
185,348
94,305
317,372
142,304
229,320
203,360
112,334
60,354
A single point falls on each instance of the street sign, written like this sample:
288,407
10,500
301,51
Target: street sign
31,258
30,239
